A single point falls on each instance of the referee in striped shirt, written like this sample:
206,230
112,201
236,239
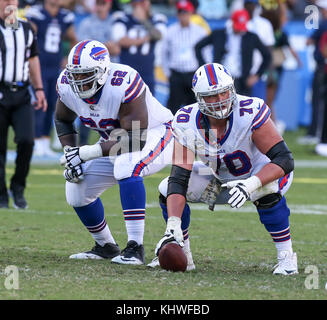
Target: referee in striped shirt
19,62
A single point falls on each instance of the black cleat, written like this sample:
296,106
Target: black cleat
132,254
108,251
17,194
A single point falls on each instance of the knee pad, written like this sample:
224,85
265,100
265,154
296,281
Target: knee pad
275,214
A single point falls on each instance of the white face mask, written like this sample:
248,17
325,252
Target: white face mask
77,85
220,109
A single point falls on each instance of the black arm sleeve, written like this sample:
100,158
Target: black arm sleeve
63,128
178,181
280,155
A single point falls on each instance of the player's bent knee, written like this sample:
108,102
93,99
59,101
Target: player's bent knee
275,214
77,202
75,196
163,187
122,168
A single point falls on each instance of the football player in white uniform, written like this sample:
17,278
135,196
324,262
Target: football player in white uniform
242,158
107,96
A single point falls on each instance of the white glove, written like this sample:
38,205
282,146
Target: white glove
74,156
241,190
173,233
71,157
74,175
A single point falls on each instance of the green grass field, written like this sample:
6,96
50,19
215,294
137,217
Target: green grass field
233,253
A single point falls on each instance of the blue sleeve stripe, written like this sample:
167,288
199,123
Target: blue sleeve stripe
262,109
132,86
131,98
258,125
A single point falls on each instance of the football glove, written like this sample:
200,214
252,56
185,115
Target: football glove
173,233
71,157
240,190
74,175
74,156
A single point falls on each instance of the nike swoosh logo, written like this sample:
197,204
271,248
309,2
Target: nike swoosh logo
129,80
290,271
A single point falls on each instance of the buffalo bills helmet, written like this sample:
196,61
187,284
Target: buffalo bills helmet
212,79
88,67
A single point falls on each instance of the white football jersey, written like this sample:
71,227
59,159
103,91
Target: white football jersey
101,112
234,156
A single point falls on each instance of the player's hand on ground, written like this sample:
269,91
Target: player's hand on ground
74,175
173,233
240,190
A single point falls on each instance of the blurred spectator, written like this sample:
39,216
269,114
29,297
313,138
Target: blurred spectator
234,47
88,6
51,23
70,4
98,26
263,28
178,56
137,35
296,9
197,17
278,58
317,101
213,9
24,3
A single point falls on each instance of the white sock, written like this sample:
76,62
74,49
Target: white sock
104,236
135,222
284,246
187,246
135,230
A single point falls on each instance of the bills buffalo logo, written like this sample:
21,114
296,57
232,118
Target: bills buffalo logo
98,53
194,80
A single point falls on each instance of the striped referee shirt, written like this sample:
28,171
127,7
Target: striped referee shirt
16,47
178,50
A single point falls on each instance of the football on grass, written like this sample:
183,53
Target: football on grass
172,257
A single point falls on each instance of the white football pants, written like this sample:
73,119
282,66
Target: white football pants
201,176
103,173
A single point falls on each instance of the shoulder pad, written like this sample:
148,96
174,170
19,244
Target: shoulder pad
69,17
34,12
